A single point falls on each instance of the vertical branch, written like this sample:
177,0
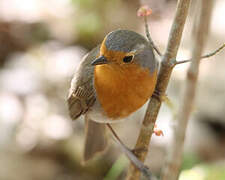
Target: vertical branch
168,61
171,171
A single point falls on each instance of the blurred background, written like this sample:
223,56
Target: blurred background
41,44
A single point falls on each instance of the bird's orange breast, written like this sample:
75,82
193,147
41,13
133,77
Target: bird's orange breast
122,90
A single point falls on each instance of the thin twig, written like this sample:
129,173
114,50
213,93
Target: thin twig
202,57
171,171
149,37
137,163
166,68
114,134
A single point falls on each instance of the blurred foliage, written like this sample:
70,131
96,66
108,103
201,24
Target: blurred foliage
117,168
204,172
190,160
95,18
88,26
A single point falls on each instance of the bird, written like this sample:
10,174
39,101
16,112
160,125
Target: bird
113,80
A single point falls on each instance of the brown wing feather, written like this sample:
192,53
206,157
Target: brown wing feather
82,94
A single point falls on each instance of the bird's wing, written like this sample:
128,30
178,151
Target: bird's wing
82,94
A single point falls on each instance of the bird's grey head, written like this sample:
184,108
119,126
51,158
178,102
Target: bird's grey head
125,47
124,41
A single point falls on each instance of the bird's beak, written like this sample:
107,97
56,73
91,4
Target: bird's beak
99,60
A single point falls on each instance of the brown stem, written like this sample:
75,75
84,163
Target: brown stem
136,162
149,37
202,57
171,171
162,83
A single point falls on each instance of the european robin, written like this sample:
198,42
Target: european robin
112,81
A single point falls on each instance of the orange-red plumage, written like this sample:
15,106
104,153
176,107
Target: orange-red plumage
122,89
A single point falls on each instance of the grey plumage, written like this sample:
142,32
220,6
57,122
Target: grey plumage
129,41
94,130
82,94
147,53
124,40
81,97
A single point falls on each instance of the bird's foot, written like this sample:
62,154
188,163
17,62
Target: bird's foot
138,150
160,96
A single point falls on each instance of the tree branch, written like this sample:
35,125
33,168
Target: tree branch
162,83
171,171
202,57
145,11
149,37
136,162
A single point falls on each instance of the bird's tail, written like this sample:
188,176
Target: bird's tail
95,139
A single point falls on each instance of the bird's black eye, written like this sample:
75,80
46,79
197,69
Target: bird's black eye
128,59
